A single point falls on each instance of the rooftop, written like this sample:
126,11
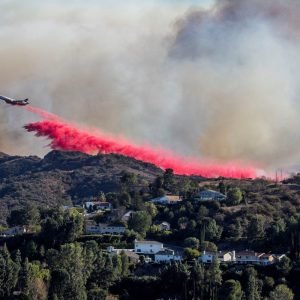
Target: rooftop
213,192
264,255
173,198
246,253
98,202
168,198
165,251
147,242
216,253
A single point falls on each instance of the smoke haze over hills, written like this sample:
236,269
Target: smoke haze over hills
217,83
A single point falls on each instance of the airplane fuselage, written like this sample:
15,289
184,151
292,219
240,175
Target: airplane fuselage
13,101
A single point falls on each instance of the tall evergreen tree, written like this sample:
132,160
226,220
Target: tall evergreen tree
70,258
125,264
197,277
231,290
214,278
9,271
253,289
281,292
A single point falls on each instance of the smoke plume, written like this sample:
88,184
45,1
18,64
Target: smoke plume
219,82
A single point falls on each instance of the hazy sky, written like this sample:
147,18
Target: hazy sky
216,81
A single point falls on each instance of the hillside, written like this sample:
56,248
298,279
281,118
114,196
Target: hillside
257,214
64,177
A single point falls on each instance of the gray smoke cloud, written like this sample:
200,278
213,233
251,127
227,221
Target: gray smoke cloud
217,83
241,62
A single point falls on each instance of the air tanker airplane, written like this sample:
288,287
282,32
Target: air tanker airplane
14,101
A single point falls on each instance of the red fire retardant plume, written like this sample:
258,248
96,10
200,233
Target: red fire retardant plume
69,137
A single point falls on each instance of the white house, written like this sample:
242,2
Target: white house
97,205
166,255
167,199
223,256
164,226
104,229
210,195
147,247
241,257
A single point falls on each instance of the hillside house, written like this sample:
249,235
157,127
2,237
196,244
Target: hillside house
166,255
104,229
167,200
17,230
241,257
247,257
251,257
147,247
210,195
223,256
164,226
97,205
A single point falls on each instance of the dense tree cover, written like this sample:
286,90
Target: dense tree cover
234,196
231,290
28,215
140,222
61,226
257,214
9,270
66,268
267,219
84,271
60,263
281,292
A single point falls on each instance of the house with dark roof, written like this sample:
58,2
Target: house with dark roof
167,200
210,195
